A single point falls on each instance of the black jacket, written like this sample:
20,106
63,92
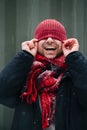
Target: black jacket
71,103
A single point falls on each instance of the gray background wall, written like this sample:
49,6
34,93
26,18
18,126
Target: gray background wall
18,20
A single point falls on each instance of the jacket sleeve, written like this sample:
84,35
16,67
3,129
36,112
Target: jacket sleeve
13,76
77,66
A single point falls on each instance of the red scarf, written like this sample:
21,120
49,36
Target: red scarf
44,81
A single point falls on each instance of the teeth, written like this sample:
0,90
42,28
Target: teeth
50,48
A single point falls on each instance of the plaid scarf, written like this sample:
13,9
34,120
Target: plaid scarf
43,80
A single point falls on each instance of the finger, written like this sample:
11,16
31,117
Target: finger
68,44
24,44
33,44
35,40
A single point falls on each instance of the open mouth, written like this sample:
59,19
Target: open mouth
50,49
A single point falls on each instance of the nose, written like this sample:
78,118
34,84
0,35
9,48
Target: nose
49,40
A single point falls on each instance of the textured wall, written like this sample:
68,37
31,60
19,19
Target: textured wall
18,20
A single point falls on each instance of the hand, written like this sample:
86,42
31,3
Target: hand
30,46
70,45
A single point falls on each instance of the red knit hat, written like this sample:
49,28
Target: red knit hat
50,28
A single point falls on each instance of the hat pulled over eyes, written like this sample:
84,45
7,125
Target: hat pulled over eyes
50,28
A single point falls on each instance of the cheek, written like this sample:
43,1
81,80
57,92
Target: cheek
40,49
59,51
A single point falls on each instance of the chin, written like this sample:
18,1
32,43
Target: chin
50,57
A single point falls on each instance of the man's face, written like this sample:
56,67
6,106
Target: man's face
50,48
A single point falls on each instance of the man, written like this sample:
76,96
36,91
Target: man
46,82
